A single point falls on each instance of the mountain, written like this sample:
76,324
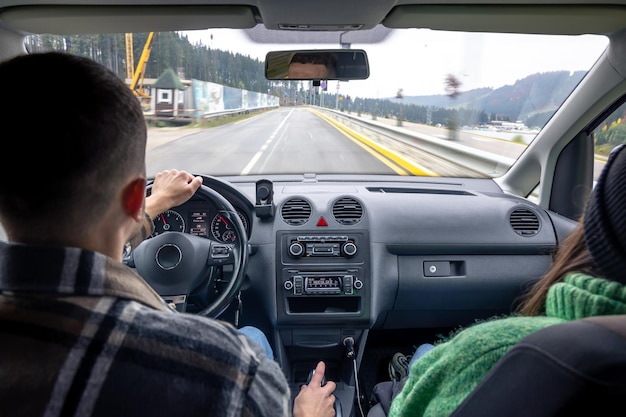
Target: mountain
532,99
465,99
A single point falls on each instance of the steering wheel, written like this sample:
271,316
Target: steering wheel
177,264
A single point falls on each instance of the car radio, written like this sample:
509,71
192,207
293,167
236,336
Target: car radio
322,246
322,284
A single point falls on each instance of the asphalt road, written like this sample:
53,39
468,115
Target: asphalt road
286,140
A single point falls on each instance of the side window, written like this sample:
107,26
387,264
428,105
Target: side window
610,133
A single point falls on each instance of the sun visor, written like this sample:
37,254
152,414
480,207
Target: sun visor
567,19
75,20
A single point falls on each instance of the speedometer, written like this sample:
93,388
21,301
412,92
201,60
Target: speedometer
168,221
223,230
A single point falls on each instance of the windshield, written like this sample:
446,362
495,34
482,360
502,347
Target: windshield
435,103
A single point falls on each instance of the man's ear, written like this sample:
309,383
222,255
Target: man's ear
133,198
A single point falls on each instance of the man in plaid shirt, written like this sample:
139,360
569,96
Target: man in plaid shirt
81,334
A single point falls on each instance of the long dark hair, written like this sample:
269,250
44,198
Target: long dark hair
573,255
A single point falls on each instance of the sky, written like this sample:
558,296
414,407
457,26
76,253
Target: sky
418,60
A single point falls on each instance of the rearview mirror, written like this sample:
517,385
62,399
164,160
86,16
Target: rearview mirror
333,64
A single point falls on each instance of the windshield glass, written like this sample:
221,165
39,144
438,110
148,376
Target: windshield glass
435,103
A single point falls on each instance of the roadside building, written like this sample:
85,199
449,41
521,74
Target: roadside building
168,98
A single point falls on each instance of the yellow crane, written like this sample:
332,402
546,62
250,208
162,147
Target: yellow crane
136,75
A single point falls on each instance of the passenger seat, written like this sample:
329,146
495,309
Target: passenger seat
574,368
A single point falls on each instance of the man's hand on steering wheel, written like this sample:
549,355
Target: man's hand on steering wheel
170,188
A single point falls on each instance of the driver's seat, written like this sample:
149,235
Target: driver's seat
574,368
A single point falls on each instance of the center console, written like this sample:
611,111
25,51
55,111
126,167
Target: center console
323,276
323,305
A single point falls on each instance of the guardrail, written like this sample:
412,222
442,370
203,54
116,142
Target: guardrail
224,113
186,116
475,160
233,112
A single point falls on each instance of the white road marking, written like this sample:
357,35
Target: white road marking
258,155
281,138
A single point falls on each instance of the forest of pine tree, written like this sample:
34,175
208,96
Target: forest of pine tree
169,50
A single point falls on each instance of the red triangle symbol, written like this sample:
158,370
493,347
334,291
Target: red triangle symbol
322,221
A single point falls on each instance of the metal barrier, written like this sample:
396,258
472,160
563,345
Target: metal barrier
475,160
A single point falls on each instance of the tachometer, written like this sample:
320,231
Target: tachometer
223,231
168,221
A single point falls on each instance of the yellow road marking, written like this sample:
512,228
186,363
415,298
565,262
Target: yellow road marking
400,165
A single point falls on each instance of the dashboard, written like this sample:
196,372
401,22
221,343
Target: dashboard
382,254
336,258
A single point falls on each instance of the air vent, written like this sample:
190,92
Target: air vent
296,211
524,222
347,211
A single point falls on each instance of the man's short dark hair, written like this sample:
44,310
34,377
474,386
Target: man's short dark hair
72,130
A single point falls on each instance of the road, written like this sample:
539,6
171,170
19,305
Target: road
287,140
297,140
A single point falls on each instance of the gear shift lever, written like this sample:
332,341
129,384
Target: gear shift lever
336,404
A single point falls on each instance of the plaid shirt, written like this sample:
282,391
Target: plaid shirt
83,335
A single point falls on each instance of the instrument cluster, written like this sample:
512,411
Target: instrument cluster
199,219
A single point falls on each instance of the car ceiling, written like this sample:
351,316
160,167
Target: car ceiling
87,16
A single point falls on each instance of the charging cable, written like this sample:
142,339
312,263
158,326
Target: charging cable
348,342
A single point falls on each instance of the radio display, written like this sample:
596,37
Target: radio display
323,282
